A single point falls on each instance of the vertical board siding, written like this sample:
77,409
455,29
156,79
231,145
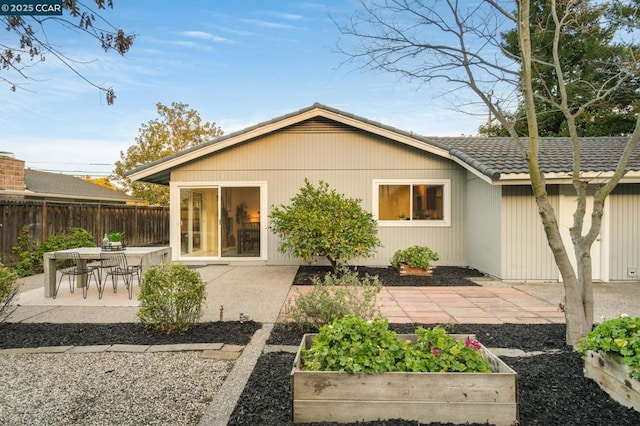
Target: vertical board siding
349,160
483,226
526,254
624,232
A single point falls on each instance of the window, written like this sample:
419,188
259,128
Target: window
412,202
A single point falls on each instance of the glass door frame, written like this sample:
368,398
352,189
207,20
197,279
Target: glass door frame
175,210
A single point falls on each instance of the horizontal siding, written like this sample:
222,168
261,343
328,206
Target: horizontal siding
526,254
483,225
624,231
349,161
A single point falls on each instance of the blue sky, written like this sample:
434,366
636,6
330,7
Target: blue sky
236,62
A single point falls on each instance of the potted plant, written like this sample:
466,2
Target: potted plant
116,239
415,260
611,353
355,370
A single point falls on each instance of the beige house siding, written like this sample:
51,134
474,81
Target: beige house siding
624,254
349,160
483,225
526,254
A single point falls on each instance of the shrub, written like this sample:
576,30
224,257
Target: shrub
337,296
319,222
618,336
171,298
8,291
353,345
415,257
30,256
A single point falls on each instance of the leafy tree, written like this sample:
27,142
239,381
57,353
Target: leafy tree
321,222
458,44
178,128
32,44
102,181
589,55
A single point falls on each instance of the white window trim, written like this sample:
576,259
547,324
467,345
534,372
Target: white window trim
446,201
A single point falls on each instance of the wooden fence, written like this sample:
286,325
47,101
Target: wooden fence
142,225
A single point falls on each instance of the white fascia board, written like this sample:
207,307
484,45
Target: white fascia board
565,178
475,171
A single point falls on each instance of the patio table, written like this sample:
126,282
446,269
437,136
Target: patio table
139,254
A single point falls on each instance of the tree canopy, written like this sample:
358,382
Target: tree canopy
177,128
589,57
31,43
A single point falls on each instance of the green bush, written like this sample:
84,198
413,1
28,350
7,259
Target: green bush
171,298
319,222
337,296
353,345
8,291
618,336
30,255
415,257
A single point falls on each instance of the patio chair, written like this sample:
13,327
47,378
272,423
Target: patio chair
116,266
72,267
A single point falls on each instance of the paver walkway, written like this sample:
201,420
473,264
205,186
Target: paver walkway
475,305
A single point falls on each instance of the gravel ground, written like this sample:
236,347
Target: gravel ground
108,388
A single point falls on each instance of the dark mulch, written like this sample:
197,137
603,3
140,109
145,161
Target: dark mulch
552,387
33,335
443,276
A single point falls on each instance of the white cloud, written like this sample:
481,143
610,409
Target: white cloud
204,36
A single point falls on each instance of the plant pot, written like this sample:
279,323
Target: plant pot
329,396
405,269
613,377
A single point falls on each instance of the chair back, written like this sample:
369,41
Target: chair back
251,226
112,260
67,260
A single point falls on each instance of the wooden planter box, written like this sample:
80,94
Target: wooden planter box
405,269
613,377
328,396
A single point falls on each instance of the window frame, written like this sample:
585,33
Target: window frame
446,202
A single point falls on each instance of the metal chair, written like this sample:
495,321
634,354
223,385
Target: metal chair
72,267
116,265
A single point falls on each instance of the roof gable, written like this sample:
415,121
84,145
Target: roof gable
159,171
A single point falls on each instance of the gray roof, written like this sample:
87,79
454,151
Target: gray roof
498,156
57,184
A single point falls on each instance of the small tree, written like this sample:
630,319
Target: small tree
321,222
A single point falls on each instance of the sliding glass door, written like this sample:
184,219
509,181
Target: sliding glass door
220,221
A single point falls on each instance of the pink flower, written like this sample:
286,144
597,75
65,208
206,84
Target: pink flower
436,352
473,343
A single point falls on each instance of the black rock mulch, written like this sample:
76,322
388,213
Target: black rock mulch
442,276
552,387
33,335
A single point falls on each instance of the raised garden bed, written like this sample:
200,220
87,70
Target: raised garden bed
328,396
613,377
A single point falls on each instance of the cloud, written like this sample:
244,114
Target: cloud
202,35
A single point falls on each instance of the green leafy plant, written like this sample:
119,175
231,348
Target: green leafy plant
618,336
415,257
354,345
30,255
319,222
171,298
337,296
116,237
8,291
